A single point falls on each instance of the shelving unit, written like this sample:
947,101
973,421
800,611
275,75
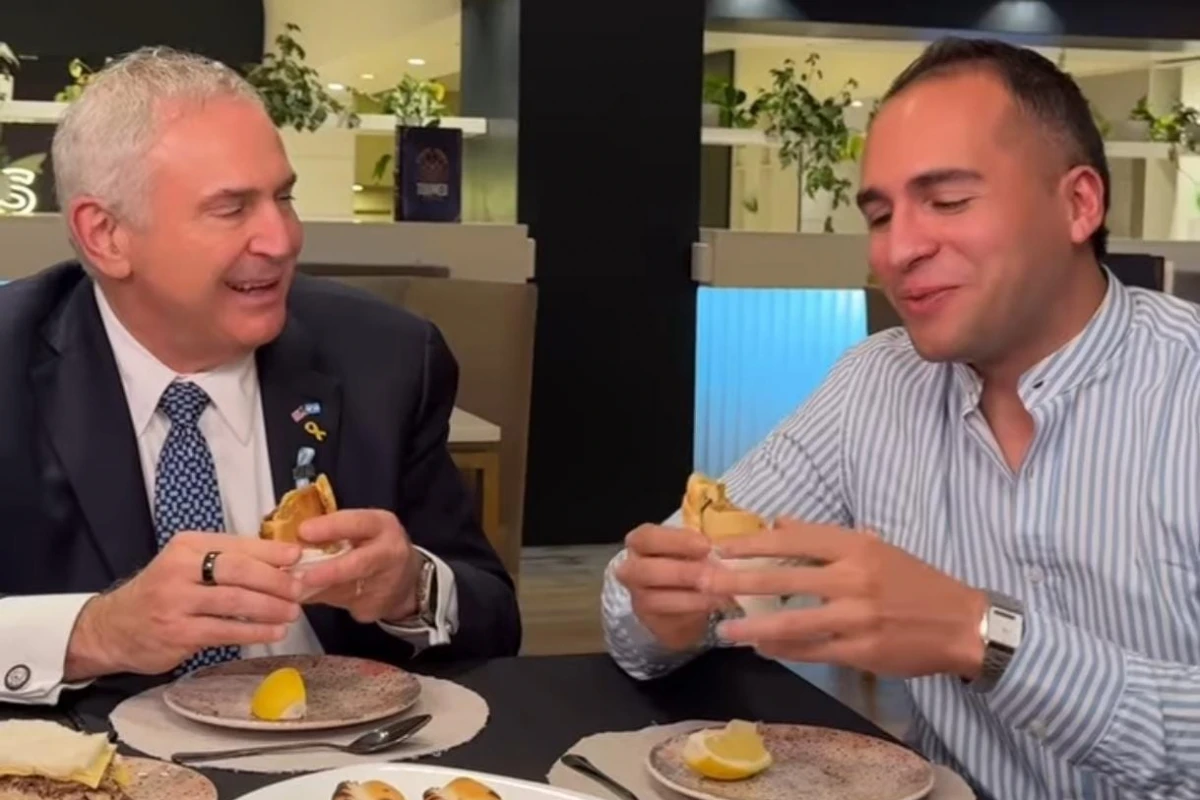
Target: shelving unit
740,137
48,113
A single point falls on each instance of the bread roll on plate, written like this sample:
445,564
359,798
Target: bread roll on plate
367,790
461,789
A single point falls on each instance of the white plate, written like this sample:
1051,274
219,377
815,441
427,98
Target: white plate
411,780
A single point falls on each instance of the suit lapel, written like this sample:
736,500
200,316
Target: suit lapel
87,418
301,406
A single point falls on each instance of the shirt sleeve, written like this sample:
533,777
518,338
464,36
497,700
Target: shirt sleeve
420,635
1133,719
797,471
36,631
629,642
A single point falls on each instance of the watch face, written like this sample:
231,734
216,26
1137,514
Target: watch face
1004,627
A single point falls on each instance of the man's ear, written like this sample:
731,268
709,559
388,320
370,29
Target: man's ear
1083,190
100,237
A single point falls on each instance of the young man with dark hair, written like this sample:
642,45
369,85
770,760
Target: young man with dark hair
997,501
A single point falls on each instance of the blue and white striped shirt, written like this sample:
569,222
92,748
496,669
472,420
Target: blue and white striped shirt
1098,533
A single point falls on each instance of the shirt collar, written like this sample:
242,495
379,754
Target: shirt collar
233,388
1070,365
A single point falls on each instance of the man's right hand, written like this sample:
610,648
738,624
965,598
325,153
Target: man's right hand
165,614
661,569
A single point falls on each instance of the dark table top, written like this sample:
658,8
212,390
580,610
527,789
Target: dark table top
541,706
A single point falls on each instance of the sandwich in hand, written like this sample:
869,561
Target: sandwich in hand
706,508
303,503
42,760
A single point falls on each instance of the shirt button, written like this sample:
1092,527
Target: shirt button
1035,574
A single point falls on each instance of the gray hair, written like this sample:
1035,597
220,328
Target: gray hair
100,145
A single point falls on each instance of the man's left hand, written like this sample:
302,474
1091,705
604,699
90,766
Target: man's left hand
377,579
885,611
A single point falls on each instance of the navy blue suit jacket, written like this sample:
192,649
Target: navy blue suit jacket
74,516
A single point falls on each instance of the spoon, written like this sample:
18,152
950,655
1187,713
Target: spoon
581,764
373,741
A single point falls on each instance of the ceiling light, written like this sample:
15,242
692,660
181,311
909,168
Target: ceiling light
856,104
417,62
337,87
368,76
358,187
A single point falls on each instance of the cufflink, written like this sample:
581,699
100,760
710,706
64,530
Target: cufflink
16,678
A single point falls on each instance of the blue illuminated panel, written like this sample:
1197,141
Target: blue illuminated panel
759,353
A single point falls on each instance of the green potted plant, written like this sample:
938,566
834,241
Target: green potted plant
81,75
293,91
8,65
812,134
427,158
316,127
725,106
1179,127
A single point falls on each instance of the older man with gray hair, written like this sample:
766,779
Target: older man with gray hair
164,391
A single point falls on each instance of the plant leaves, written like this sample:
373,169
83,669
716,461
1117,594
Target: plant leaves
33,163
381,167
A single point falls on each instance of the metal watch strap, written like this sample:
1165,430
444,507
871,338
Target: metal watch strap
427,592
1000,629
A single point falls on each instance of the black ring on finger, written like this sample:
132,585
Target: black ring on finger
206,568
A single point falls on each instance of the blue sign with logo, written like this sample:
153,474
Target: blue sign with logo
428,175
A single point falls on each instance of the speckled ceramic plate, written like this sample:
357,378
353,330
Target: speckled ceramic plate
161,780
809,764
341,692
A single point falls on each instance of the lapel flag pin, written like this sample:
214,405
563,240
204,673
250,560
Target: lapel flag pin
306,410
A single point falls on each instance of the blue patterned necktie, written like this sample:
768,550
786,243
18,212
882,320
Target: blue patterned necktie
186,494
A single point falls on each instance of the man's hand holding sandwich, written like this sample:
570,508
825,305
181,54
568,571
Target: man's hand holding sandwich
377,580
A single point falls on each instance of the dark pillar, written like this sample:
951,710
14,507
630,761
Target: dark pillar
490,48
609,176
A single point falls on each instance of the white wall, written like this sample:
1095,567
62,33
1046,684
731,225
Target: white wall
1113,95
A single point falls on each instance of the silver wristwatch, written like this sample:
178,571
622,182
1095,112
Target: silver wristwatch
427,590
1000,629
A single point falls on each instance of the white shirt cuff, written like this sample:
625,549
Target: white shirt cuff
445,624
36,631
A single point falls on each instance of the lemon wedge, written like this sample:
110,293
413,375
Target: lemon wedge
280,696
732,753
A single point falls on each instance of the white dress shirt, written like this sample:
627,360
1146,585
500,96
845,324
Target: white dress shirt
36,629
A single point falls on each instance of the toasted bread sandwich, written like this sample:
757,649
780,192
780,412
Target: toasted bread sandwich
706,508
306,502
42,760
